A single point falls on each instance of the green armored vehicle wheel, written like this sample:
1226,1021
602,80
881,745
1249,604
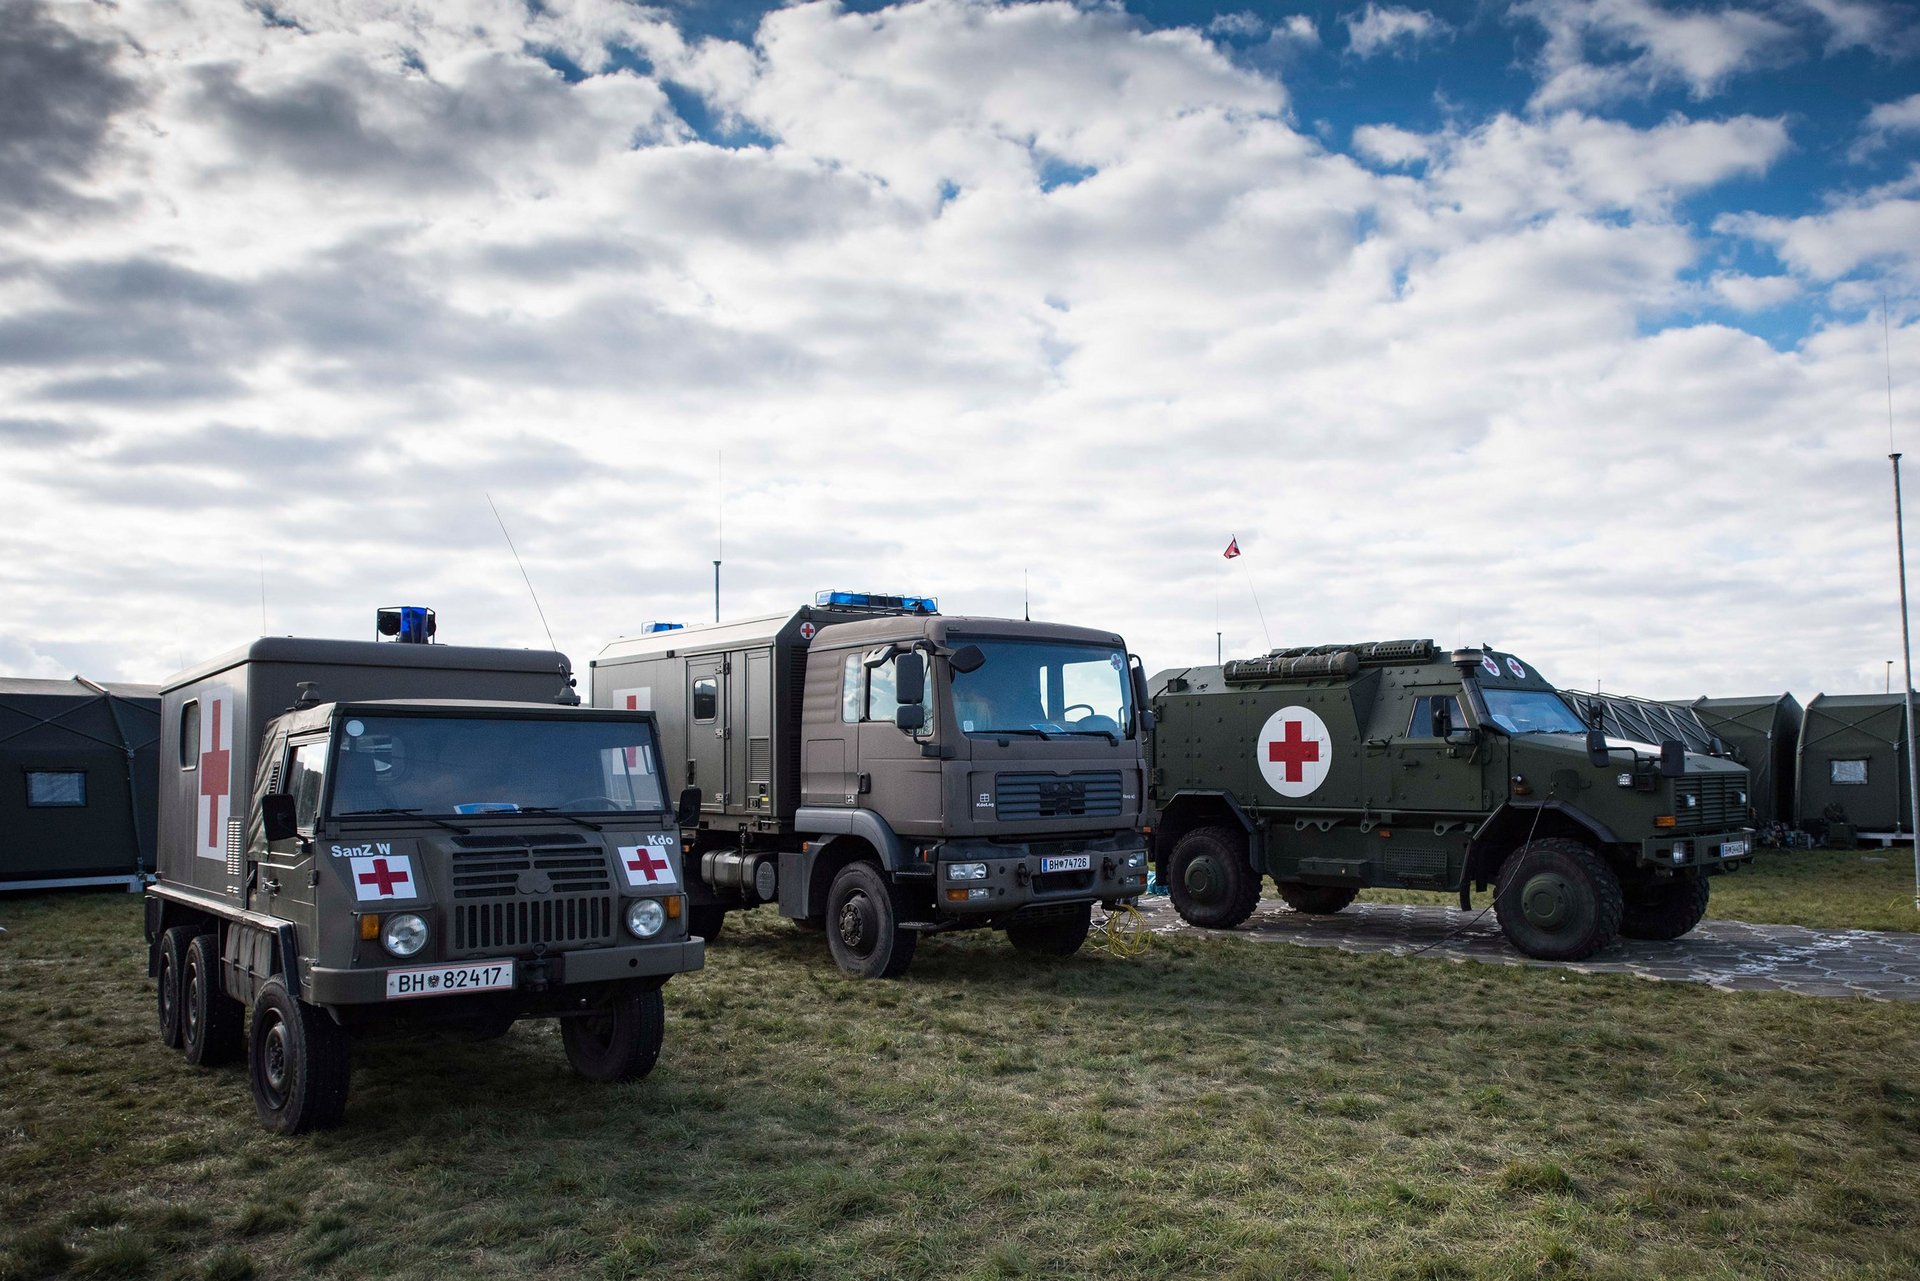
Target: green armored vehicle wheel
1664,910
1212,883
1557,900
1315,900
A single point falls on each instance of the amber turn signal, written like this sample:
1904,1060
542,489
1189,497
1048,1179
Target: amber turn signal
1663,820
370,926
673,907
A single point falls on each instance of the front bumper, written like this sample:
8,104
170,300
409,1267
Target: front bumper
1016,875
368,986
1698,850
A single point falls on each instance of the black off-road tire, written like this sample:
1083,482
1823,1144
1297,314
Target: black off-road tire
299,1063
706,922
620,1039
211,1022
1316,900
1210,879
1664,909
167,1000
1558,900
1055,936
863,925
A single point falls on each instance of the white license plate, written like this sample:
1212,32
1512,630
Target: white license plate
449,980
1066,863
1733,849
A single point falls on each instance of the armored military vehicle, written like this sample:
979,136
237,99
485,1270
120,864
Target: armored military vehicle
357,837
1335,768
884,772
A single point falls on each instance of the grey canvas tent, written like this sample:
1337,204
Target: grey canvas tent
78,780
1645,721
1764,735
1853,762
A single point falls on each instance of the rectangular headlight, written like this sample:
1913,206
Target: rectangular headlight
966,871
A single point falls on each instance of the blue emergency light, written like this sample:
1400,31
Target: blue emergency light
648,629
407,624
876,601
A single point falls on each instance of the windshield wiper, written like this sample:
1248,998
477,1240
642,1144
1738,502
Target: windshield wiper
559,813
411,813
1110,735
1002,733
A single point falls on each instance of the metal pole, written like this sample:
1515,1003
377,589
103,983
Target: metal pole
1906,647
1218,652
716,591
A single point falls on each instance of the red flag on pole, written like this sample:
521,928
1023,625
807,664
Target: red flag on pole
1233,547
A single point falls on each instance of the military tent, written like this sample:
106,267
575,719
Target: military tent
1645,721
1852,764
78,782
1764,735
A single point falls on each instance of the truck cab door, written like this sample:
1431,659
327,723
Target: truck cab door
895,780
707,729
283,878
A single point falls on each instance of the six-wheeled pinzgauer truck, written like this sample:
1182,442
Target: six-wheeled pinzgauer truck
1335,768
356,837
884,772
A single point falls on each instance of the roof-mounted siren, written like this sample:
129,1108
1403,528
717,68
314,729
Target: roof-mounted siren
1466,661
406,624
876,602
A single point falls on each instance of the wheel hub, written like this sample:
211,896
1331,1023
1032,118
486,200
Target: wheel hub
1203,879
1547,900
275,1060
857,926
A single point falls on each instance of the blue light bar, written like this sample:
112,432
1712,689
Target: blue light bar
876,601
647,629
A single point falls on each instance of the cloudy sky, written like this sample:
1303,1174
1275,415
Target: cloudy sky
1556,325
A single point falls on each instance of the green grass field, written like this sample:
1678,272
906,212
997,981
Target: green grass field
1827,889
1214,1108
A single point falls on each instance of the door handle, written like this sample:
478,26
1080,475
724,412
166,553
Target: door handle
273,885
1410,763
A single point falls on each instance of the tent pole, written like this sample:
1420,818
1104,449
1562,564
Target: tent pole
1906,648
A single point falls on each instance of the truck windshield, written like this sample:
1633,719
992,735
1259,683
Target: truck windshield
480,765
1531,711
1043,688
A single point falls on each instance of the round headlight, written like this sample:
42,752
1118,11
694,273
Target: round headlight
404,934
645,916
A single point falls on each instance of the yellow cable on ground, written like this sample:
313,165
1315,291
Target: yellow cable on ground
1127,933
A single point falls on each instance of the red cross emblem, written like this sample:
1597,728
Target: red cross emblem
215,778
384,878
647,863
806,631
1294,752
633,753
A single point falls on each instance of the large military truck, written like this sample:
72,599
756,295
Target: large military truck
884,772
1336,768
357,837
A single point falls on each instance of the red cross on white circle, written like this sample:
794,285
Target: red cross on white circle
1294,751
806,631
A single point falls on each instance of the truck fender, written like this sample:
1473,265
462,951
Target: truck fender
1193,808
826,832
1506,829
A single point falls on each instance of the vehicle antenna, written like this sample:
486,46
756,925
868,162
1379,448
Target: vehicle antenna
1026,601
523,574
1256,598
720,516
263,593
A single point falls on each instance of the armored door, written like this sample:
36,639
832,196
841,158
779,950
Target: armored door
1438,788
707,728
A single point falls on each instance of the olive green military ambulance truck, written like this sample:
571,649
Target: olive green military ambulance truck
357,837
885,772
1336,768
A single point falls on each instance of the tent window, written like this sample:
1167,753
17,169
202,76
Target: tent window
56,788
1848,771
190,735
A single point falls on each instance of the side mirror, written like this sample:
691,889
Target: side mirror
1442,715
910,717
688,812
1137,676
1595,714
1673,758
910,681
968,658
1597,754
278,817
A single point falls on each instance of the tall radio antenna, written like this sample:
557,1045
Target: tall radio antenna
523,574
720,534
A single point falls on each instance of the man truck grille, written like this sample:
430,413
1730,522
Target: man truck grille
497,872
524,922
1028,796
1718,805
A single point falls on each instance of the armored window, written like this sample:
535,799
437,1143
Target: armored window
1421,726
1847,771
306,780
706,698
56,788
190,735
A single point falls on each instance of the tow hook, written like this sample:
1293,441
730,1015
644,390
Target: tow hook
536,973
1020,874
1106,867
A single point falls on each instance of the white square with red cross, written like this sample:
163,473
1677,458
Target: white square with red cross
384,876
649,866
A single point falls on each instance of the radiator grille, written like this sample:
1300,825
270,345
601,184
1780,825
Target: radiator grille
495,873
523,922
1719,804
1029,796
